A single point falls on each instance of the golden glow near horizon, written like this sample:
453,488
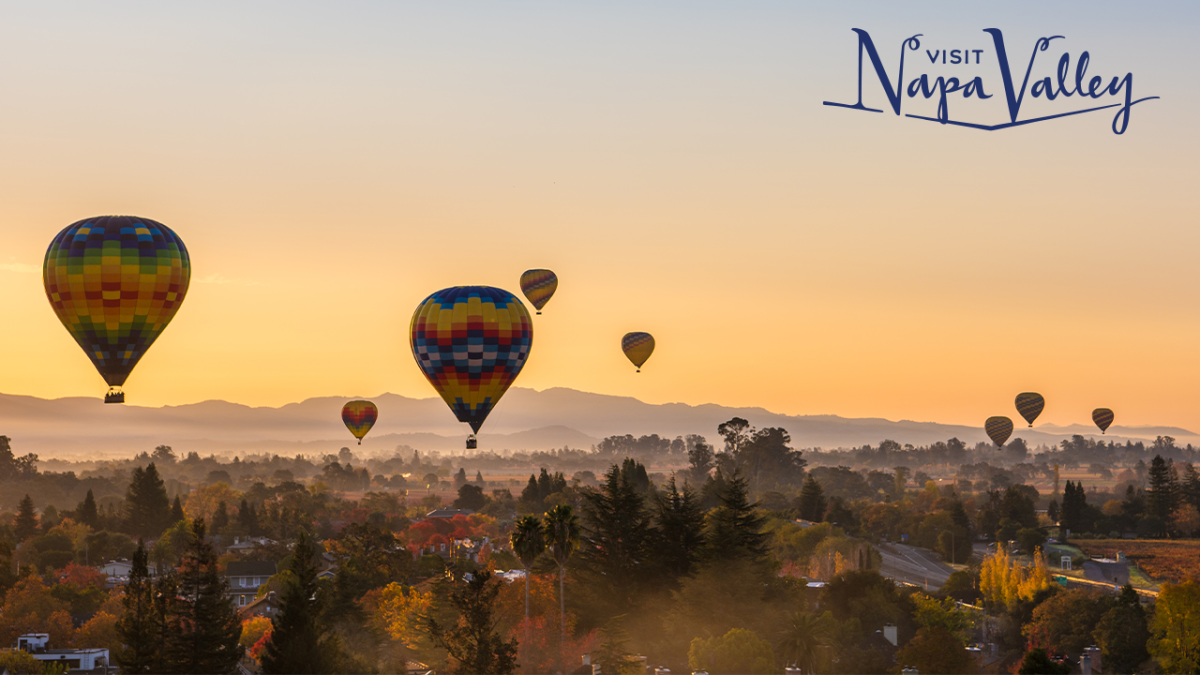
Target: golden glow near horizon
329,167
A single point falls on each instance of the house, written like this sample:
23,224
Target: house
245,577
267,605
248,544
73,659
449,513
117,568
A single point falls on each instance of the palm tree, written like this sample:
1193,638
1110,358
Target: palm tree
528,542
802,634
561,529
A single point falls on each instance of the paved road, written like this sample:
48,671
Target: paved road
914,565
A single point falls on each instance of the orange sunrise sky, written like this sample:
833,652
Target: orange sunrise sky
330,165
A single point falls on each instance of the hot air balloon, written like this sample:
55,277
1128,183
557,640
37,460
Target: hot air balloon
637,347
538,287
471,342
359,417
1030,405
1103,417
998,429
115,282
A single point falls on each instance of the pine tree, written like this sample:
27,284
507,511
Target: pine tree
735,530
478,477
26,523
298,644
1161,492
87,513
812,500
176,512
617,535
203,622
138,625
146,504
220,519
247,519
680,530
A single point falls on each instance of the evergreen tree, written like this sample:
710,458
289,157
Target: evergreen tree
812,500
176,512
204,625
298,644
87,513
138,625
146,504
473,642
1122,634
460,478
26,524
479,478
680,530
220,519
247,519
531,495
734,529
1161,492
617,536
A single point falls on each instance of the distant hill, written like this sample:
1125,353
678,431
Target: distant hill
525,420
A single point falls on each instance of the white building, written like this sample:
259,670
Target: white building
73,659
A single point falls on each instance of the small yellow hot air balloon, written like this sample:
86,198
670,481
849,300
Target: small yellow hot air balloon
637,347
359,417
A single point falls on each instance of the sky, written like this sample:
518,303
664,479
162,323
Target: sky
330,165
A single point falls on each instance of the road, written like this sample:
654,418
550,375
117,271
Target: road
914,565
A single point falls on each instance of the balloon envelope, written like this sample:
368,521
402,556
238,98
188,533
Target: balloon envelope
538,287
1103,417
359,417
115,282
637,347
1030,405
998,429
471,342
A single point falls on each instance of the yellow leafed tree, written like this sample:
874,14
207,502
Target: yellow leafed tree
1003,582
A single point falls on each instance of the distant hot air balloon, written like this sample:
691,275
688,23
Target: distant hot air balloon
1030,405
1103,417
471,342
359,417
538,287
637,347
998,429
115,282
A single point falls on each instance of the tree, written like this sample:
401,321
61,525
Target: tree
297,643
734,529
146,505
1122,634
473,642
177,514
801,636
613,656
26,524
812,500
87,513
1037,662
528,542
1160,492
138,625
220,519
470,497
163,454
370,557
700,460
616,539
204,626
247,519
738,651
680,531
1176,639
1065,622
561,529
935,651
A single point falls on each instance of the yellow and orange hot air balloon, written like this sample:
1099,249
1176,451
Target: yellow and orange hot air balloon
538,287
359,417
471,342
115,282
637,347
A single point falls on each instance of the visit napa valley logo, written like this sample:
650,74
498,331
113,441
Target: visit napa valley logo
988,72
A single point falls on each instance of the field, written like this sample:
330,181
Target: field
1163,560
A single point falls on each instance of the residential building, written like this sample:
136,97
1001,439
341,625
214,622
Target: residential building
245,577
73,659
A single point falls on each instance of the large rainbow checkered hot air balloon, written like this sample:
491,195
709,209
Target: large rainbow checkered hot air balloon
116,282
538,287
471,342
359,417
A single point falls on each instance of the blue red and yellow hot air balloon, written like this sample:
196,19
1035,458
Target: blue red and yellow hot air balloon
471,342
1030,405
115,282
359,417
538,287
998,429
637,347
